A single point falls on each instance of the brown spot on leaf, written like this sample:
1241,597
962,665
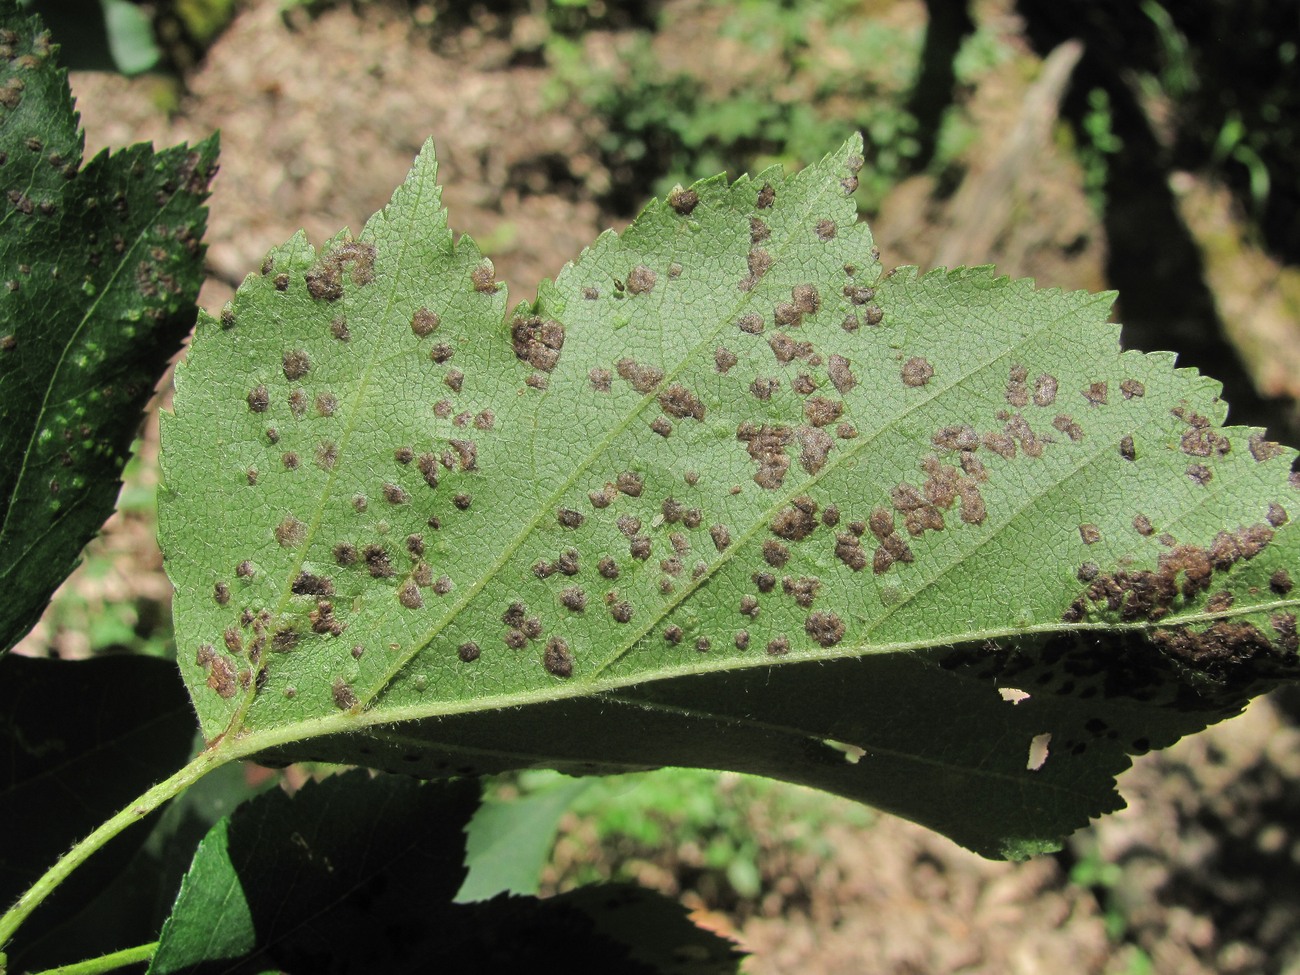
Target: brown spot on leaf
778,647
1045,387
1277,516
805,299
766,447
796,522
723,360
684,201
221,677
345,699
825,230
259,400
425,322
538,342
483,278
408,594
814,447
1097,394
842,377
1089,533
1067,426
1142,525
378,561
557,658
825,628
804,590
296,364
307,584
1126,448
641,280
1131,389
290,532
680,402
642,378
775,554
821,411
1199,474
1263,449
1280,582
917,371
786,349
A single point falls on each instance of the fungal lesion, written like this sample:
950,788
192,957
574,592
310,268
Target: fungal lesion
325,279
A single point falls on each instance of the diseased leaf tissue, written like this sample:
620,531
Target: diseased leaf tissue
726,494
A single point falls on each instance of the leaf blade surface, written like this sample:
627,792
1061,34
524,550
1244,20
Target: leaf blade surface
725,479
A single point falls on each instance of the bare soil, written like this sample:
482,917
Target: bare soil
320,117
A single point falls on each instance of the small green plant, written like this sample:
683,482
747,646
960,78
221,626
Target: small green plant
728,495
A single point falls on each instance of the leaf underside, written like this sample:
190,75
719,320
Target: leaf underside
99,270
728,496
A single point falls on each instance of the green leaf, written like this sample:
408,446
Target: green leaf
354,875
728,496
80,740
509,842
99,270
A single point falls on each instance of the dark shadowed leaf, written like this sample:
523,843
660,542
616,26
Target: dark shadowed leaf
728,495
354,875
99,270
80,740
